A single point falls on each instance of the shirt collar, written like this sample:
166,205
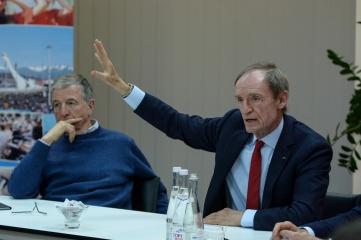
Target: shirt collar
93,127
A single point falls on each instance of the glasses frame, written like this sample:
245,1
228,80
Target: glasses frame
30,212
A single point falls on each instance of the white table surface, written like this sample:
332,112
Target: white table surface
97,223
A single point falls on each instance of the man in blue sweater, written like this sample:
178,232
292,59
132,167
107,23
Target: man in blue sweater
78,159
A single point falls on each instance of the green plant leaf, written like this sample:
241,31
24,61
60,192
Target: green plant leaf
342,165
342,155
351,139
328,139
357,155
353,78
331,54
353,164
342,161
346,71
346,149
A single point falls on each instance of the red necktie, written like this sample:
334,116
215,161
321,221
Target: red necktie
254,177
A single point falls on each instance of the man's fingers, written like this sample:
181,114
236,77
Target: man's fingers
286,234
102,60
102,57
95,73
73,120
100,51
72,135
69,128
96,45
97,57
210,219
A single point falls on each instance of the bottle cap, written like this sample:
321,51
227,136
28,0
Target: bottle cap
193,176
176,169
183,172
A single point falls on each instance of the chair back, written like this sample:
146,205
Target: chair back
336,203
145,194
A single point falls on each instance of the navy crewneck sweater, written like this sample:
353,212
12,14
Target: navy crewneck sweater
97,168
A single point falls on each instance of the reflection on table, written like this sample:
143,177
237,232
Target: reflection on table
97,223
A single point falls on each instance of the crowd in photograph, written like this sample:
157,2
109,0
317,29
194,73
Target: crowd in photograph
18,133
32,102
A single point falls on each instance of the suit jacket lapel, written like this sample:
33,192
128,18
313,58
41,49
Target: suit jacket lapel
278,161
224,163
226,159
231,151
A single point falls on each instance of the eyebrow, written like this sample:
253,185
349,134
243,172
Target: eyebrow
55,100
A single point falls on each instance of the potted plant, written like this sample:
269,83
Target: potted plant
348,156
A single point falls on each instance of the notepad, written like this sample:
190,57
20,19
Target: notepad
4,206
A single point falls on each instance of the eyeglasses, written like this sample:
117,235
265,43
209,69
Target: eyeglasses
29,212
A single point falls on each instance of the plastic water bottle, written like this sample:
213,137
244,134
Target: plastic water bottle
172,200
180,206
193,220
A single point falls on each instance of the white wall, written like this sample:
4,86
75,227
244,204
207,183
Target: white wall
188,53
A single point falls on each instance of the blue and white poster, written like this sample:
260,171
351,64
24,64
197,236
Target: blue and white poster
36,47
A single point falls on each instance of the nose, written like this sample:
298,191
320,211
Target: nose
245,107
64,111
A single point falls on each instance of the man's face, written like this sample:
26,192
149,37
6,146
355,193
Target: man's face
261,112
69,103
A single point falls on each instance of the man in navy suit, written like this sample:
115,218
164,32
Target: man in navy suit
295,159
315,230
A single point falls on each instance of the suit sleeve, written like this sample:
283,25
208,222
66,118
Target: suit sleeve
325,228
195,131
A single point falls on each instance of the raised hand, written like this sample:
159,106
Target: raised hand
109,74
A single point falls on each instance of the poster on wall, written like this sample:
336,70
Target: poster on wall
36,47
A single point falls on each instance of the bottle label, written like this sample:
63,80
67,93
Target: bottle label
178,233
196,236
182,197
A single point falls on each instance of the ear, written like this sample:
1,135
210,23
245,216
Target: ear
283,99
91,104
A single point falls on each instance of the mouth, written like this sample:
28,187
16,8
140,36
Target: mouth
250,120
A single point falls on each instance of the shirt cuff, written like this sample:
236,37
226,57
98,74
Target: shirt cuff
134,98
247,219
309,230
47,144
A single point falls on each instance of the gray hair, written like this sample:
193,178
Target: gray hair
276,79
74,79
